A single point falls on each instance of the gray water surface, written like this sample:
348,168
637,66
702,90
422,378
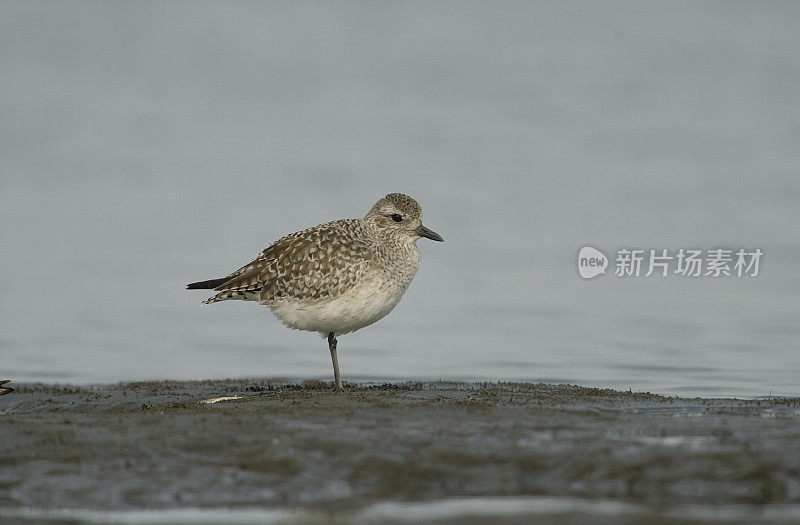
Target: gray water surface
147,145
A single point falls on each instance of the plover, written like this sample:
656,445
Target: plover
336,277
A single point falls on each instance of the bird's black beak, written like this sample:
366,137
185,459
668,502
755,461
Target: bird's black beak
422,231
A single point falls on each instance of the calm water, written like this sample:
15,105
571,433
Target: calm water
148,145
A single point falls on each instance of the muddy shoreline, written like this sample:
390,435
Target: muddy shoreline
244,444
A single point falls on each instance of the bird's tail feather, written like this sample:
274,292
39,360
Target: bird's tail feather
242,295
206,285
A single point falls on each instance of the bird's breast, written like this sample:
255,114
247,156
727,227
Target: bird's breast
370,299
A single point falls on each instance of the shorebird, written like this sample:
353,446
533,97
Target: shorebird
337,277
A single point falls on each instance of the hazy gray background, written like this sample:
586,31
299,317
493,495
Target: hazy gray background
149,144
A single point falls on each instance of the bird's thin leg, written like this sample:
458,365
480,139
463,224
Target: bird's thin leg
332,346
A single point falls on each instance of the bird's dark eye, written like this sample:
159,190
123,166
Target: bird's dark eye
396,217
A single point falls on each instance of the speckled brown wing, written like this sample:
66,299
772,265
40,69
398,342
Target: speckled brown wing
317,263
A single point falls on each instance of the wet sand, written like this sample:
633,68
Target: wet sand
270,451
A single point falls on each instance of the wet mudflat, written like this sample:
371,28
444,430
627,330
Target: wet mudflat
270,451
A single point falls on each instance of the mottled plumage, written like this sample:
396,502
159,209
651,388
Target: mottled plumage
336,277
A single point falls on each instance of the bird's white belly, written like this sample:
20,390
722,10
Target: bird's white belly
360,306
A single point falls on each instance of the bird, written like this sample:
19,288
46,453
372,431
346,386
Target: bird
336,277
